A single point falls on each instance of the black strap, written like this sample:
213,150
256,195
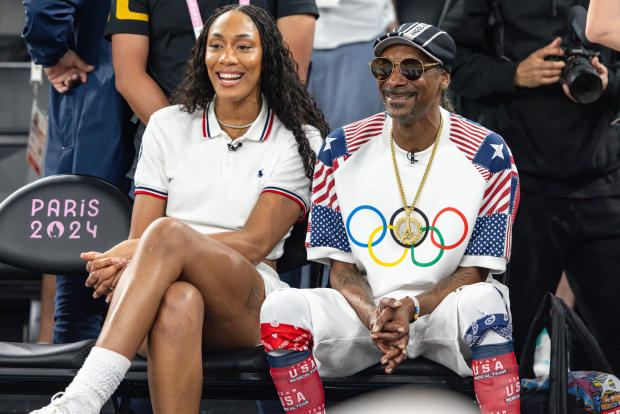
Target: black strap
559,319
587,341
558,381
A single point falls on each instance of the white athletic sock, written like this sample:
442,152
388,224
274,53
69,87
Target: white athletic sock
96,381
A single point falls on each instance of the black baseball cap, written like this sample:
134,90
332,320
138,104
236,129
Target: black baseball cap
435,43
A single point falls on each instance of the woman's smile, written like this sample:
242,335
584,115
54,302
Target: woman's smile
233,58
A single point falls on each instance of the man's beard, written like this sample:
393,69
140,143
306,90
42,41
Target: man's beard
403,116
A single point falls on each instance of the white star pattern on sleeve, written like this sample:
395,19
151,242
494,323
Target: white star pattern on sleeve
488,236
328,142
499,148
327,229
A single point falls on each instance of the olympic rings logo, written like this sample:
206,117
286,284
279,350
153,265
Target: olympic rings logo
426,229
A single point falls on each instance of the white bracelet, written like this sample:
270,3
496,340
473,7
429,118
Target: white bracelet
417,306
416,309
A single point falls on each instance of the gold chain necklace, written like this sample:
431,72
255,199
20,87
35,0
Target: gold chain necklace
409,235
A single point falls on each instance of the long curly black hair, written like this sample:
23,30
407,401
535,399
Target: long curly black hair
286,94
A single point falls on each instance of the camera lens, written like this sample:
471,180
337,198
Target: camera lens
583,82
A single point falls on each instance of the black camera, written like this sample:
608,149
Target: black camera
580,76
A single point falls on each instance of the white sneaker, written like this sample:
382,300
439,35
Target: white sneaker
58,405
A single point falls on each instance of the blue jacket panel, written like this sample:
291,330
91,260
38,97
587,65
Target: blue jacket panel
53,26
85,133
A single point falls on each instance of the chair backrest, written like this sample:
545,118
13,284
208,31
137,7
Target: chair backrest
294,248
45,225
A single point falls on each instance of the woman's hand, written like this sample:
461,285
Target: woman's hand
105,269
106,278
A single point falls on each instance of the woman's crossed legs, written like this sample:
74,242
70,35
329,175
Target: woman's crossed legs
186,292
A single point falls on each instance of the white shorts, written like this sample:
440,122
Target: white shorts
271,278
342,344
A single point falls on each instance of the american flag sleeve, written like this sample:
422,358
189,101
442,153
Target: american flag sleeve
326,237
490,243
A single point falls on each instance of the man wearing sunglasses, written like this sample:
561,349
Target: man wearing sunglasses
413,209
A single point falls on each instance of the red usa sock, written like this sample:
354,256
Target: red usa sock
294,374
299,385
496,378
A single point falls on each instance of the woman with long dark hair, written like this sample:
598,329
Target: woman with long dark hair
223,176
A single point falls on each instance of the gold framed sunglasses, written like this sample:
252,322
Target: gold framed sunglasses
411,68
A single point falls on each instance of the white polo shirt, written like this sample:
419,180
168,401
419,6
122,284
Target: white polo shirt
185,159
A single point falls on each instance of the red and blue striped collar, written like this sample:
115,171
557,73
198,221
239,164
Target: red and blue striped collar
259,131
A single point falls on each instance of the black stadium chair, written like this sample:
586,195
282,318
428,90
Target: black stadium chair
39,226
46,224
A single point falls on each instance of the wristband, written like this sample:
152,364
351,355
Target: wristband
416,308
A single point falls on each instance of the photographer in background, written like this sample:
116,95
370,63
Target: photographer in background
604,23
527,66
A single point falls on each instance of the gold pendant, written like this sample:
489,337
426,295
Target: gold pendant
408,230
